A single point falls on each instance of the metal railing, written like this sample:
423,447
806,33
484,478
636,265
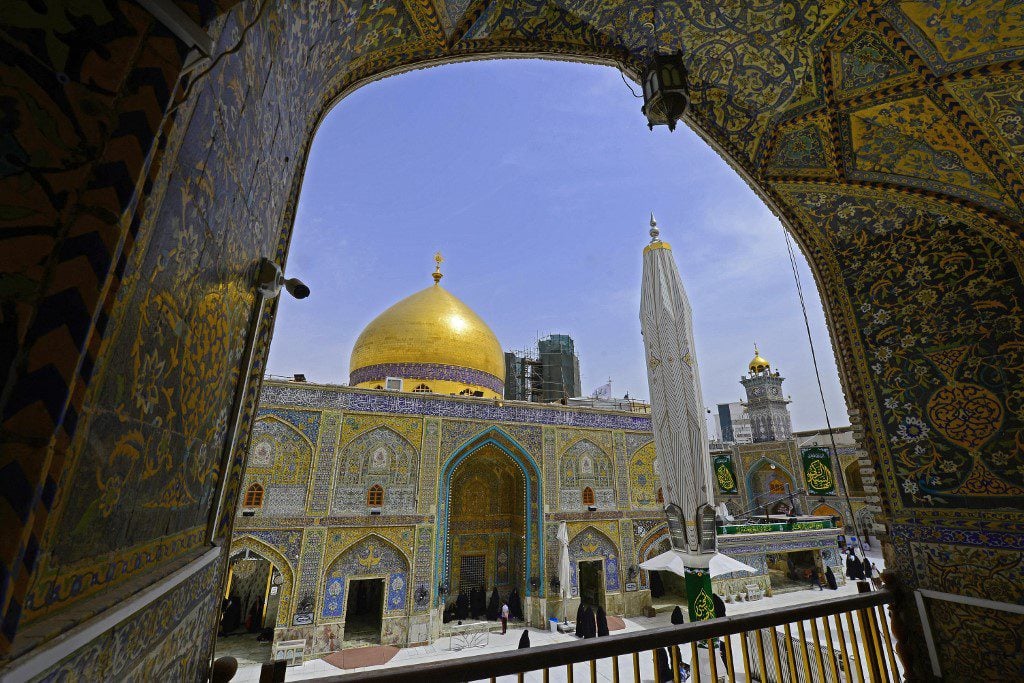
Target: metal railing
846,640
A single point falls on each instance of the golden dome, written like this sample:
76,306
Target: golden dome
758,364
431,340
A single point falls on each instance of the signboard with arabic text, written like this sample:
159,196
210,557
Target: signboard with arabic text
818,471
725,475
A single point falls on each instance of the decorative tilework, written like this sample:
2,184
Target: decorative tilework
585,464
804,149
306,421
423,569
369,557
346,399
324,468
281,549
309,576
428,371
996,103
958,35
985,573
959,628
146,649
866,62
593,544
949,425
643,480
376,457
550,468
427,498
913,141
621,471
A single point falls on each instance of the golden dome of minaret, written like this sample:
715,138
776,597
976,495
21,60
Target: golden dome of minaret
433,342
758,364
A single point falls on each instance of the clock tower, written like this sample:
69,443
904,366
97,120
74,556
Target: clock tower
766,406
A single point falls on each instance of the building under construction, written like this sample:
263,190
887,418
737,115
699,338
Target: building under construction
549,374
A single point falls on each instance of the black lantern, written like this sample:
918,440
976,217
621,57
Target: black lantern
666,92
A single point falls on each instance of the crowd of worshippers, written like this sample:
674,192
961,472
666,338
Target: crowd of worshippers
591,621
860,569
476,605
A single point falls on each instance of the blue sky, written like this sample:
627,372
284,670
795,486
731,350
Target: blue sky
535,179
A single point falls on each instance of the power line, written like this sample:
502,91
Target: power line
817,376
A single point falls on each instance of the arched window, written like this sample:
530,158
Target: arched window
661,496
375,496
588,496
254,497
421,389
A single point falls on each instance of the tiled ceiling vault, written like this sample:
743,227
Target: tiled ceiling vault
134,201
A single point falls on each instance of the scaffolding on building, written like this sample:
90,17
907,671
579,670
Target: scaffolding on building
547,373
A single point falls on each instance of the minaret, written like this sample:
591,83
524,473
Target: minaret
766,405
677,418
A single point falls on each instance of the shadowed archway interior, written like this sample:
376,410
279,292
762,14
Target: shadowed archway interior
137,199
487,524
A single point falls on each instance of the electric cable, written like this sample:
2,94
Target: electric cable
821,391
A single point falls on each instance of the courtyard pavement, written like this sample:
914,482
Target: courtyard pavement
248,672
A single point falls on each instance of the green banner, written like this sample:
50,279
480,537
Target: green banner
725,474
698,594
818,471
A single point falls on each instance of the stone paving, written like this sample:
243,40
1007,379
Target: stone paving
439,650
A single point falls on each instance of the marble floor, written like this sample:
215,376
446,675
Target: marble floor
495,642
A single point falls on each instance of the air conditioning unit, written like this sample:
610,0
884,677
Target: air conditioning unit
393,384
592,508
374,511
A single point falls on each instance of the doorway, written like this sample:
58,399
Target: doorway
791,571
591,582
364,612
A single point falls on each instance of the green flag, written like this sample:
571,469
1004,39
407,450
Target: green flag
725,475
818,471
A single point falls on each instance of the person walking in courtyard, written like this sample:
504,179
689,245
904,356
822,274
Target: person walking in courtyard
815,579
504,618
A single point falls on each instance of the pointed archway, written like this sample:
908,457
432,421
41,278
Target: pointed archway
512,557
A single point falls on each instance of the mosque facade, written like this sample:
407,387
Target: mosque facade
418,481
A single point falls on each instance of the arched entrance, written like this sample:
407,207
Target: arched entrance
767,482
489,533
256,601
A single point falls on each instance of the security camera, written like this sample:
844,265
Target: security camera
269,281
297,288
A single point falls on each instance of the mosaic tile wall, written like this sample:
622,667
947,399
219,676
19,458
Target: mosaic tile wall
592,544
370,557
126,267
376,457
582,465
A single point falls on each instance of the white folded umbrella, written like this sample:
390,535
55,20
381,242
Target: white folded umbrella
672,562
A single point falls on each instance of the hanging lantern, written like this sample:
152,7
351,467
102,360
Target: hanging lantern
666,92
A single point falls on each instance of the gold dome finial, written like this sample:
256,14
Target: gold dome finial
437,275
758,363
654,229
